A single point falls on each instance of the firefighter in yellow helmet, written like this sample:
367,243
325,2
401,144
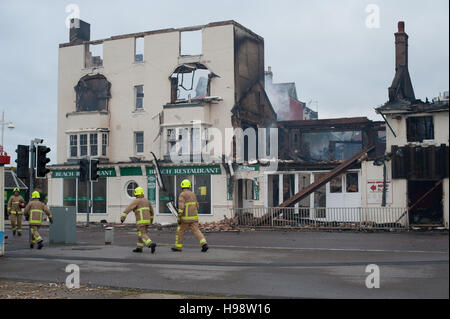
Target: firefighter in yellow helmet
188,217
15,205
34,212
144,213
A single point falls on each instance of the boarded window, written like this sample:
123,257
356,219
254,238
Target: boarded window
420,128
92,93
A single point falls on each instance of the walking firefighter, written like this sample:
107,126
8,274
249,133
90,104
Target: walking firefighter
34,212
15,205
188,217
143,211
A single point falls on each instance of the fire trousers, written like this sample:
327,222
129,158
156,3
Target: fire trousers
35,237
16,221
185,226
143,239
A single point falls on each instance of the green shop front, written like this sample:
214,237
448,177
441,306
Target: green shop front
74,191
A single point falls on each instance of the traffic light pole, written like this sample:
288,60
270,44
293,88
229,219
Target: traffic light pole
30,190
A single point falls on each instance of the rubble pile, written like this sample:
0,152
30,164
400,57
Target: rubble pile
226,224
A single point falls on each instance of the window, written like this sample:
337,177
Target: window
420,128
70,191
83,145
94,55
336,185
190,82
139,142
320,198
104,143
131,186
352,183
187,140
139,93
93,144
75,195
73,145
139,49
191,42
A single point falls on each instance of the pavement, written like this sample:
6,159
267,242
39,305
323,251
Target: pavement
261,264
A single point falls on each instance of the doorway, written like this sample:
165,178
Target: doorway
429,211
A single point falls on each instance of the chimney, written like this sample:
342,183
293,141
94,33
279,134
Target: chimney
401,46
269,76
80,31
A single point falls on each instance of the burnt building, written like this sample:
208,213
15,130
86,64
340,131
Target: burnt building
417,144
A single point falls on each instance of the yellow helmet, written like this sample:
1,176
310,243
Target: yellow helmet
138,191
35,194
186,184
16,190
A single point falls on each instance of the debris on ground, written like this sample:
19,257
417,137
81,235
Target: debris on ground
226,224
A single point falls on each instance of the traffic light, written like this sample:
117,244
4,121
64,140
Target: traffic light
23,161
84,169
41,161
94,170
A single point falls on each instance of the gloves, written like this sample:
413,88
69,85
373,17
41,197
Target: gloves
51,220
122,220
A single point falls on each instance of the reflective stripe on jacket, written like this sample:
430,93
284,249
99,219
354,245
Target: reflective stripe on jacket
142,209
187,205
35,210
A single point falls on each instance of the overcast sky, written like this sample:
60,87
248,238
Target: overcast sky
323,46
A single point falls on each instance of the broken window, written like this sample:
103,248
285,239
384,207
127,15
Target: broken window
190,82
336,185
139,93
93,55
420,128
330,146
352,183
191,42
92,93
139,49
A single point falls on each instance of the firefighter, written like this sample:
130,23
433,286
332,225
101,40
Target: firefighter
15,205
143,211
33,212
188,217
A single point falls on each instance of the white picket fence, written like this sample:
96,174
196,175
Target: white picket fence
339,218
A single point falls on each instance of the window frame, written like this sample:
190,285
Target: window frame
137,98
136,143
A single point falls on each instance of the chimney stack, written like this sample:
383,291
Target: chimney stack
80,31
401,46
268,76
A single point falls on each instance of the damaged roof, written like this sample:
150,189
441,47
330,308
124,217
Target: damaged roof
416,106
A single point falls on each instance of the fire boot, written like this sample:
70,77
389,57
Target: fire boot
204,248
14,233
40,245
176,250
31,245
153,248
137,250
